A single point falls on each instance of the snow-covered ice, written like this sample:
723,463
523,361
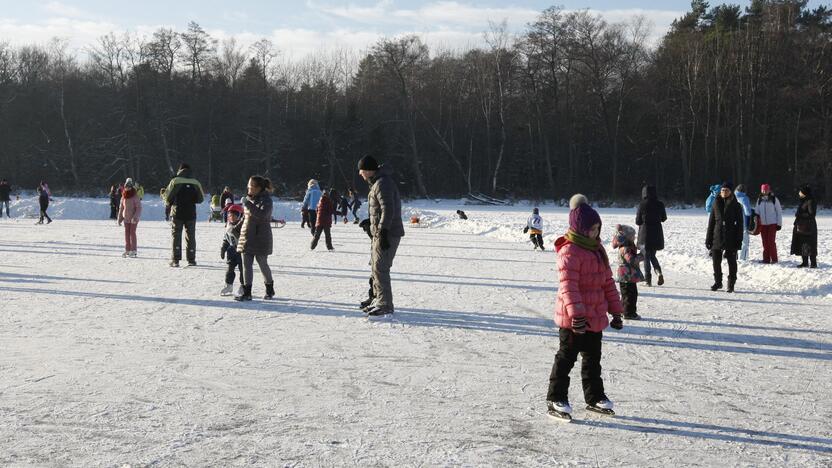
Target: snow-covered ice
107,361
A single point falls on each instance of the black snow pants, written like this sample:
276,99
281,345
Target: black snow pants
589,346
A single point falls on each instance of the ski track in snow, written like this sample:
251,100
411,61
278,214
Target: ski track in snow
109,361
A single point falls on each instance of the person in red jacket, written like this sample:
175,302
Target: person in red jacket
586,294
323,223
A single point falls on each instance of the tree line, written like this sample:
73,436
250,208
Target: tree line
573,103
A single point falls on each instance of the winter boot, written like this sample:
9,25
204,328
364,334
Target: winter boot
269,291
227,290
661,280
246,296
731,282
805,262
648,281
717,283
174,263
814,262
632,316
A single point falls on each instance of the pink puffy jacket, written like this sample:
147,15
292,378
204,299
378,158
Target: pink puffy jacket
586,288
130,210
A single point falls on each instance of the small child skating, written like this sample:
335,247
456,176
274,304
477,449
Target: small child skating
628,274
586,293
534,227
233,259
343,207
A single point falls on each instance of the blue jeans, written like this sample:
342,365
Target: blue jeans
744,251
8,211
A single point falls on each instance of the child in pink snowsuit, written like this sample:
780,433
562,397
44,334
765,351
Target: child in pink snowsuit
586,294
129,213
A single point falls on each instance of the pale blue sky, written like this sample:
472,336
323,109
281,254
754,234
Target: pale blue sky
300,27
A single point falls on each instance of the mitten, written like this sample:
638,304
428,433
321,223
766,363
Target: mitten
616,322
579,325
779,227
525,230
222,254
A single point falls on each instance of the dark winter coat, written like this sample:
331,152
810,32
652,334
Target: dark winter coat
725,225
230,241
805,230
325,209
256,233
384,204
649,218
5,192
43,200
183,194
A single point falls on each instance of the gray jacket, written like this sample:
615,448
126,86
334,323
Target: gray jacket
256,232
384,204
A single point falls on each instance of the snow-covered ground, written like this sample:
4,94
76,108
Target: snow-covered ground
108,361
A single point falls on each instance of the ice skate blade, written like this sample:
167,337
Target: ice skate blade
605,412
559,416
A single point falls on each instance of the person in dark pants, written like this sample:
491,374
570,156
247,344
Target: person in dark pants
183,194
586,294
805,232
628,273
228,252
5,197
724,238
43,200
325,210
355,205
385,208
649,218
115,202
310,203
371,295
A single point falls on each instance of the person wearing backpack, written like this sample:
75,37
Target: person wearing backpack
771,220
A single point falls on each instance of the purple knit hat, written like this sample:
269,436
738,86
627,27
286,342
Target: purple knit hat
581,216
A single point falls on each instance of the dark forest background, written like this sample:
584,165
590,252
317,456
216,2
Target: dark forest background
736,92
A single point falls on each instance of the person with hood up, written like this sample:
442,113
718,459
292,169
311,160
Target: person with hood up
724,237
129,213
586,294
183,194
628,274
771,220
747,212
649,218
325,210
385,209
805,232
534,227
310,203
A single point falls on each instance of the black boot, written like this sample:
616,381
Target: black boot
731,282
814,262
717,283
246,294
805,262
661,279
269,291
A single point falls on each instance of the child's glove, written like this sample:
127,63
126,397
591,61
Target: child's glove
579,325
222,254
525,230
617,323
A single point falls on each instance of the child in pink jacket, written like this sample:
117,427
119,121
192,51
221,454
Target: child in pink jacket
586,294
129,212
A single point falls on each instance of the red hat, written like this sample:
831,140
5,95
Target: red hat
765,188
235,209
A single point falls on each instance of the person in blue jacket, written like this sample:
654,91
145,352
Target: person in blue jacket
709,203
747,212
310,203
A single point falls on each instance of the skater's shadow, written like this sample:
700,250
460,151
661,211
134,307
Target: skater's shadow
734,325
23,278
404,275
712,432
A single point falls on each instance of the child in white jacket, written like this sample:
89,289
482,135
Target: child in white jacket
534,227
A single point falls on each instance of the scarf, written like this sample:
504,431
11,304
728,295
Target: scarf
588,243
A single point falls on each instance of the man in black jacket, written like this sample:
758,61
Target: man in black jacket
724,239
183,194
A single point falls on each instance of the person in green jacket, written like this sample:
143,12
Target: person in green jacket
183,194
